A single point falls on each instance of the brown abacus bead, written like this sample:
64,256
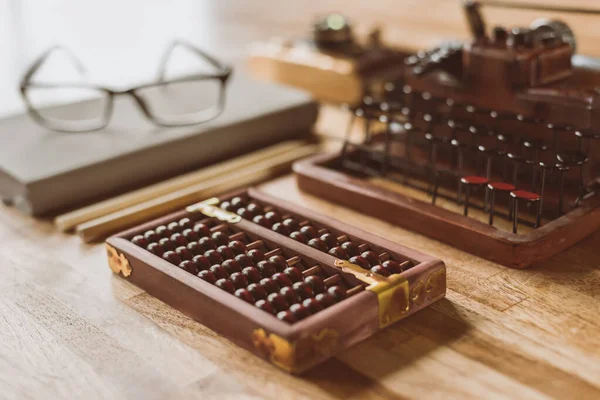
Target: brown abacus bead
245,260
282,279
265,306
258,291
266,268
140,240
151,236
195,248
252,274
380,270
325,299
225,252
237,247
303,290
392,266
338,293
163,232
279,262
278,302
262,221
371,257
239,280
299,311
316,283
330,240
231,266
226,206
207,243
202,262
172,257
299,237
286,316
360,261
214,257
294,274
312,305
309,231
219,271
155,248
350,248
270,285
178,240
184,253
256,255
174,227
189,266
318,244
244,213
185,223
207,276
190,235
220,238
291,223
226,285
273,217
254,208
202,230
338,252
281,228
237,202
245,295
290,295
166,244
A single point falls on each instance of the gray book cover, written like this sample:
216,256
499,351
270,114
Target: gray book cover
42,171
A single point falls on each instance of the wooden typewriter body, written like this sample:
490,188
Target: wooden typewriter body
323,302
504,127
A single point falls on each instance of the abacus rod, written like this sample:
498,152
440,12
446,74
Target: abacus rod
538,7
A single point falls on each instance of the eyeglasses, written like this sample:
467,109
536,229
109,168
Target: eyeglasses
181,101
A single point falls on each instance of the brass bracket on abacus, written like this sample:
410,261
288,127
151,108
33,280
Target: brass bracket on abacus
117,262
209,208
393,292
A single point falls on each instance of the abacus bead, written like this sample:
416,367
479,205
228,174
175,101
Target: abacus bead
290,295
338,252
225,252
293,273
360,261
151,236
207,276
262,221
220,238
279,262
282,279
312,305
325,299
371,257
219,271
237,247
245,260
257,290
254,208
239,280
281,228
380,270
214,257
226,206
189,266
350,248
256,255
266,268
299,237
237,202
309,231
291,223
303,290
140,240
316,283
392,266
174,227
278,301
207,243
299,311
232,266
190,235
318,244
329,239
245,295
337,292
202,262
166,244
162,231
269,285
202,230
252,274
245,213
226,285
155,248
178,240
184,253
172,257
273,217
286,316
265,306
185,223
195,248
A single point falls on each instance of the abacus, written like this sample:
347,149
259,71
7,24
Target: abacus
288,284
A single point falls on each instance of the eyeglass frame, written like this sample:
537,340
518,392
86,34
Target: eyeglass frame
222,75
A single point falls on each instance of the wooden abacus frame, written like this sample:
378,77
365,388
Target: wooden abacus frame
294,347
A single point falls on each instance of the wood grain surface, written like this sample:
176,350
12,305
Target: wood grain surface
70,329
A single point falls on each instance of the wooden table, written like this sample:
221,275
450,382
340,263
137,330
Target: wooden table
70,329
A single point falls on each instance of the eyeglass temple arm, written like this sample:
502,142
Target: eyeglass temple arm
224,69
42,59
